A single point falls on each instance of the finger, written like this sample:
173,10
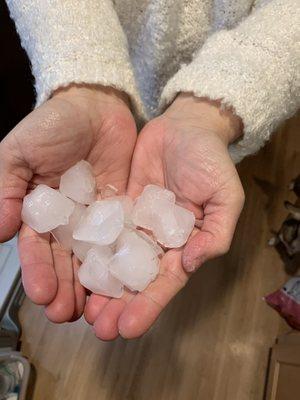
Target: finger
106,324
94,306
61,309
14,177
142,311
79,291
38,274
221,214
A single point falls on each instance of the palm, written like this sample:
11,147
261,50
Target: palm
196,167
44,145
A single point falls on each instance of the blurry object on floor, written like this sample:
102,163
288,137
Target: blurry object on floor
14,376
284,368
287,242
14,369
11,294
286,301
287,239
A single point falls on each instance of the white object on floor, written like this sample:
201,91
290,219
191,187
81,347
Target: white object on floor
135,262
95,276
101,223
78,183
45,208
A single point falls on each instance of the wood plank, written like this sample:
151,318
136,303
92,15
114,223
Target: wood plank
212,342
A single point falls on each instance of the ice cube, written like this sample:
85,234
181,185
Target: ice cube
95,276
156,247
135,263
101,223
80,249
155,192
172,224
109,191
45,208
64,233
142,214
78,183
127,205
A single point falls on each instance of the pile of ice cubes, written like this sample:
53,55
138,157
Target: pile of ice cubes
105,235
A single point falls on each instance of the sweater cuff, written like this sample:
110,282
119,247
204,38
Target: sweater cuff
248,71
87,69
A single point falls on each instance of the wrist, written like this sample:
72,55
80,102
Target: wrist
209,114
91,93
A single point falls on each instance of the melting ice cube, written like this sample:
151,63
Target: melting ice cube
95,276
101,223
127,205
64,233
135,263
156,247
172,224
78,183
80,249
142,214
45,208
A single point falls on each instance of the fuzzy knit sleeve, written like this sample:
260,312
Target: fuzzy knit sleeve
253,68
74,41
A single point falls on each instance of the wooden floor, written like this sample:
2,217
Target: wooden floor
212,342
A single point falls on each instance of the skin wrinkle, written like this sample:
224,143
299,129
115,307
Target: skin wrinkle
148,296
167,273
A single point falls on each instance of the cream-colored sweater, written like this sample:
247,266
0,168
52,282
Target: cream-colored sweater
244,52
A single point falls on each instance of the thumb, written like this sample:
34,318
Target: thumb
221,214
14,177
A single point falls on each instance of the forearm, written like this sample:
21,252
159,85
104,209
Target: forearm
253,70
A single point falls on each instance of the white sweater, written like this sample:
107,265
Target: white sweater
244,52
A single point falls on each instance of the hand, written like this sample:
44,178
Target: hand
80,122
185,150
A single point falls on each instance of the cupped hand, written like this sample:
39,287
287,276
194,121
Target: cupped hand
80,122
186,151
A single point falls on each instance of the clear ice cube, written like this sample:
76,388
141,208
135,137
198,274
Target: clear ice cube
45,208
101,223
135,262
95,276
78,183
142,214
64,233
